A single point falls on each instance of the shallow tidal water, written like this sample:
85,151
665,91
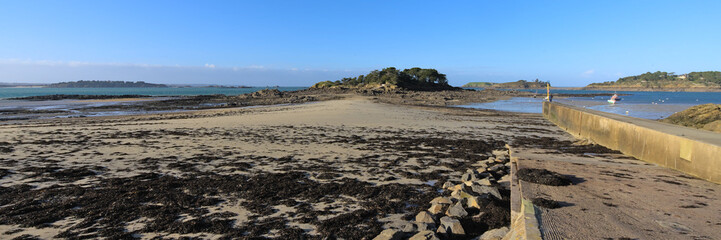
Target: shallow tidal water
647,105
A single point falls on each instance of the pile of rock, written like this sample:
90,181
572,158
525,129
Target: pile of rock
453,216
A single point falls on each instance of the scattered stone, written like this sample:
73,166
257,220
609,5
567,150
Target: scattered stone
484,182
460,194
487,190
442,231
388,234
447,185
451,226
436,208
468,177
473,202
425,235
497,153
410,227
425,226
457,211
424,217
496,167
505,182
441,200
457,187
495,234
480,166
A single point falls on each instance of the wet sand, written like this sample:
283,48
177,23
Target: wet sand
341,168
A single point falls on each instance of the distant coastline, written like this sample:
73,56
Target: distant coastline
709,81
105,84
629,89
520,84
115,84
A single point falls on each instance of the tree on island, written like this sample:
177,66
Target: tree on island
424,79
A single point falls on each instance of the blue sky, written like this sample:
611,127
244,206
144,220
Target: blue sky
297,43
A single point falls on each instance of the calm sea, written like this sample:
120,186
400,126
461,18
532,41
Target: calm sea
649,105
26,92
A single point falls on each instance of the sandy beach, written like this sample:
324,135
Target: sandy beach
342,169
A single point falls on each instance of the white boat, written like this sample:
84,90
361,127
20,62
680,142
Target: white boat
614,99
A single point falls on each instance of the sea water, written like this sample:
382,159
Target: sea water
648,105
189,91
72,108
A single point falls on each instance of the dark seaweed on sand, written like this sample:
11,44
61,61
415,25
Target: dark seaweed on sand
106,208
561,146
543,176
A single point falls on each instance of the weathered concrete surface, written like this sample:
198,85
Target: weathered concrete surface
692,151
616,197
524,225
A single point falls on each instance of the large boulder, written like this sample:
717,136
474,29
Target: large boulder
436,208
486,190
451,226
457,211
706,116
389,234
495,234
424,217
441,200
425,235
484,182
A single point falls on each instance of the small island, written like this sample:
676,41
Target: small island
478,84
520,84
105,84
664,81
390,78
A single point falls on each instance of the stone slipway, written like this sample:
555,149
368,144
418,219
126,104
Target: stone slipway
614,197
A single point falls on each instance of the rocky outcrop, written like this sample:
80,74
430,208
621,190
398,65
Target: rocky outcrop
706,116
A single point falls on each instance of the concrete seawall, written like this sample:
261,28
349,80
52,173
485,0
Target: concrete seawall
692,151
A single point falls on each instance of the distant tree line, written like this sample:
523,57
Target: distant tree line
700,77
104,84
412,78
521,84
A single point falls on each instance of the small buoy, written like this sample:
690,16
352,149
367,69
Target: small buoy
626,112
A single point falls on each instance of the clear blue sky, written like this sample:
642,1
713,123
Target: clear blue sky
570,43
